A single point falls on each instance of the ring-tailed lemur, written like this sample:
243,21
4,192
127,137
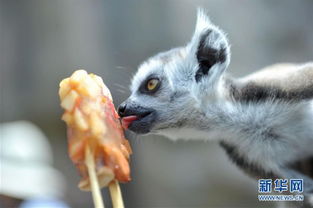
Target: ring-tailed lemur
264,121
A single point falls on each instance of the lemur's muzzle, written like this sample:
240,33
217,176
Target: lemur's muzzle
136,118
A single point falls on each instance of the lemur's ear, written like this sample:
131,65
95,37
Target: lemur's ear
209,47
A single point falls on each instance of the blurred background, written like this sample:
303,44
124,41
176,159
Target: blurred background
42,42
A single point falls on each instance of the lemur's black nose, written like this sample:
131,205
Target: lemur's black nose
121,109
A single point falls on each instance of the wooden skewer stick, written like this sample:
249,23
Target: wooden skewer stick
95,189
116,195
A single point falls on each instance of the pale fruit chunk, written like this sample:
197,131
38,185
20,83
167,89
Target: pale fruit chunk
88,87
67,117
80,120
98,80
64,88
78,76
105,90
69,101
97,126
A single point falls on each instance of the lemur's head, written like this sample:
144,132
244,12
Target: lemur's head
171,86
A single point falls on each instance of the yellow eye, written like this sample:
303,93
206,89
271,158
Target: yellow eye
152,84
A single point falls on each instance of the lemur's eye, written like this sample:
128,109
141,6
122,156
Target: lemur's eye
152,84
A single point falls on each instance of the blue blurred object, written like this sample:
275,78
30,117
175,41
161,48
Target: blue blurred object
43,203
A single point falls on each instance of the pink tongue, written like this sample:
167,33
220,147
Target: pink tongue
126,121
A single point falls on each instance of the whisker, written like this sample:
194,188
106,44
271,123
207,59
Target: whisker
128,70
120,67
120,86
121,91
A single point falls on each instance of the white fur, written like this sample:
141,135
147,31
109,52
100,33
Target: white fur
190,134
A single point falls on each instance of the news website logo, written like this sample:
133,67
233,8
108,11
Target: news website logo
273,190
